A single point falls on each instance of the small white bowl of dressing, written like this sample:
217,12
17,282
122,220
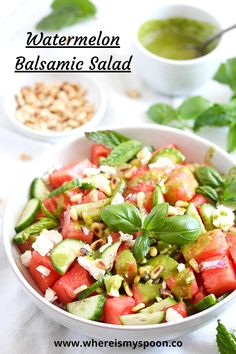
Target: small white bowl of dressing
94,95
175,76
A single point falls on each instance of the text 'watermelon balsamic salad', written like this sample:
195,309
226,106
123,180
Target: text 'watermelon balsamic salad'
134,235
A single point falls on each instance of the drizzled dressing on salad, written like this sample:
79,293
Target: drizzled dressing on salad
134,235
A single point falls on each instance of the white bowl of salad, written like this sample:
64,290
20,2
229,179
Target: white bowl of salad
132,236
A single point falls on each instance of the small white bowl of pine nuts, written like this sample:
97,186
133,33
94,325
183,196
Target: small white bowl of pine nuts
54,106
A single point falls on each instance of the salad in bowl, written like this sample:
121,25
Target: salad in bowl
133,235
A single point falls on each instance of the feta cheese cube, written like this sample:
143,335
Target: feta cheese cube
26,258
89,265
127,238
223,218
43,270
91,171
50,295
42,244
172,315
162,162
109,242
53,235
144,155
181,267
118,199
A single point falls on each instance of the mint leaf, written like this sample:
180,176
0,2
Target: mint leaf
231,138
122,153
156,218
179,230
226,74
85,7
66,13
123,217
221,75
192,107
162,113
215,116
63,17
226,342
109,138
141,247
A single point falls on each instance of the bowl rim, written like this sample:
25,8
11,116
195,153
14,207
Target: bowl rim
7,242
183,62
47,135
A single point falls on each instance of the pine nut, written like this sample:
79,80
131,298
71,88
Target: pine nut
156,272
97,244
138,307
76,198
73,214
80,289
140,199
127,288
101,264
153,251
181,203
94,195
96,228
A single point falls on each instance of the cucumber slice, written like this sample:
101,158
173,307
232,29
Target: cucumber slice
46,212
205,303
157,196
28,215
143,318
173,154
35,229
77,182
38,189
90,308
108,255
91,289
192,211
169,265
64,254
90,207
159,306
206,211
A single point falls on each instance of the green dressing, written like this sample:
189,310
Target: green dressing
176,37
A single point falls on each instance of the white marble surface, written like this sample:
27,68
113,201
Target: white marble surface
24,329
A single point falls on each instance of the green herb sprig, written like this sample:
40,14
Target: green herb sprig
197,112
66,13
226,341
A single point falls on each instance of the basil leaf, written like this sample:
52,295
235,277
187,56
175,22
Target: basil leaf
109,138
141,247
122,153
66,13
215,116
162,113
180,230
209,176
156,218
192,107
208,192
226,341
228,194
123,217
231,138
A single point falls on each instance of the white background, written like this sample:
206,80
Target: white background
24,329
